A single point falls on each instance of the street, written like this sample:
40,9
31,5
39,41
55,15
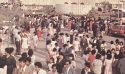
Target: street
40,53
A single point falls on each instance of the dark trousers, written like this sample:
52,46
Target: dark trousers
12,38
82,51
18,47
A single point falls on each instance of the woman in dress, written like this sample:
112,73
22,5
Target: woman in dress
35,40
91,58
51,31
48,52
108,64
29,39
25,42
45,30
62,27
76,45
69,25
121,44
106,28
39,31
10,61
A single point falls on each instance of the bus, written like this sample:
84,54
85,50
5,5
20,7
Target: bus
114,15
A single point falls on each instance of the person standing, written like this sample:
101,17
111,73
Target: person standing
54,70
87,69
108,64
35,40
25,42
45,33
48,38
60,62
48,51
97,64
38,69
15,33
121,64
39,31
76,45
94,29
10,61
69,25
83,44
91,58
99,42
68,69
24,69
18,44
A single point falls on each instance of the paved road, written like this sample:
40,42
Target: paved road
40,53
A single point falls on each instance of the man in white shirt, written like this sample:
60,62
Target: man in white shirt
3,68
64,39
54,70
18,44
15,33
38,69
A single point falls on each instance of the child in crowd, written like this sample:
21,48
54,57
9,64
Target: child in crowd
51,62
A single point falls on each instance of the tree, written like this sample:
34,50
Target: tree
106,6
92,12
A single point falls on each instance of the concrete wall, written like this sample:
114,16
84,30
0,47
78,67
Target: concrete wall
70,8
3,1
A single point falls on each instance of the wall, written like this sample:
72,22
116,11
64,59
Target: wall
3,1
75,9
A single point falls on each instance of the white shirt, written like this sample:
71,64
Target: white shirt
18,38
15,32
3,70
35,38
67,70
40,72
64,39
97,65
73,63
50,66
50,72
23,68
112,46
33,58
86,72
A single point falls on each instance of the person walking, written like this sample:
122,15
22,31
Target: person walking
18,44
83,44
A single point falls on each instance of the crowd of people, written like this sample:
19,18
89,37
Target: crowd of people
62,48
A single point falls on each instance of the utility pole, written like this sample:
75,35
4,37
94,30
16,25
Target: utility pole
118,11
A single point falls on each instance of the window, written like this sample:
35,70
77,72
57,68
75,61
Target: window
123,28
117,27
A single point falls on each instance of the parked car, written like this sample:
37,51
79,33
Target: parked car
118,30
